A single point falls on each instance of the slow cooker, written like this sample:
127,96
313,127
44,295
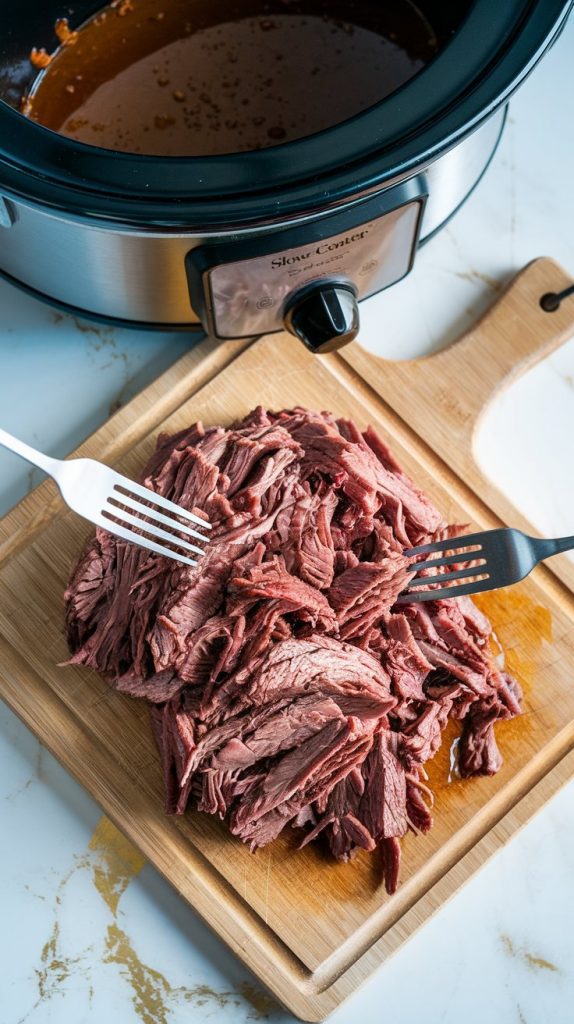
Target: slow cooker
249,243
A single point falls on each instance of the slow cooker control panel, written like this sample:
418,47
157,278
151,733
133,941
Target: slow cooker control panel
308,278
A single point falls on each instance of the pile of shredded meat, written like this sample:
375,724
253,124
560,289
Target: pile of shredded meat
286,686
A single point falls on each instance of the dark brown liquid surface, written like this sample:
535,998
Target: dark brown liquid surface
204,77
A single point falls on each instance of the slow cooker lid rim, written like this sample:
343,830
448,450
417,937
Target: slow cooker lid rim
75,193
298,205
345,186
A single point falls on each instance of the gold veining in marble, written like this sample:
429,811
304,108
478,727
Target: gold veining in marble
113,863
535,963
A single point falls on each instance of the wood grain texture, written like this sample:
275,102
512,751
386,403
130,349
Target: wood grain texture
444,396
312,930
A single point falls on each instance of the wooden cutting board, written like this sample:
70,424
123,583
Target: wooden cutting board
310,929
445,396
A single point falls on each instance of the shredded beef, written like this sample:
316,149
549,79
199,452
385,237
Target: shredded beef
285,685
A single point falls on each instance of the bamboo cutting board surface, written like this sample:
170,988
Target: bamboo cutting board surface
310,929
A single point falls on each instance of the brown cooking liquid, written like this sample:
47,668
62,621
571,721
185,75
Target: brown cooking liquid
204,77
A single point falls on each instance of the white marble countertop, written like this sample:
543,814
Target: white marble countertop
90,933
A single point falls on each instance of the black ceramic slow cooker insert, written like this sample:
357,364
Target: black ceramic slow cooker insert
291,235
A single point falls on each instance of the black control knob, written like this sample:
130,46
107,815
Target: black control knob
325,317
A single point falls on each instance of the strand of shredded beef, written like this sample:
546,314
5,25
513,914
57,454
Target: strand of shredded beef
286,687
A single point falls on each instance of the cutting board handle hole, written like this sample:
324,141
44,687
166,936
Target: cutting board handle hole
550,301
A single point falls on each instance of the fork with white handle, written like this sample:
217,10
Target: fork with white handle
119,505
494,559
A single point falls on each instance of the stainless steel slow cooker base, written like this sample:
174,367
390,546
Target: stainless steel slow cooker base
138,277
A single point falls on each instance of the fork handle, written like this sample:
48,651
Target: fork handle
561,544
545,548
38,459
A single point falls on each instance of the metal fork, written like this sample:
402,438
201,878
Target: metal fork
483,561
105,498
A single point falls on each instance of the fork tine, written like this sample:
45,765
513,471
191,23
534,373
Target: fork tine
156,499
147,510
142,542
156,531
460,574
449,544
460,590
432,563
